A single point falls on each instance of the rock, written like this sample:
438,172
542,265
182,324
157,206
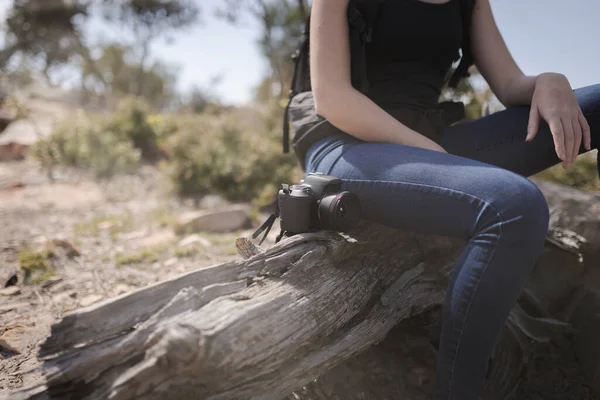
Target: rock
18,137
122,288
156,239
64,296
6,118
105,225
13,306
226,219
133,235
11,340
171,261
13,151
10,291
91,299
193,240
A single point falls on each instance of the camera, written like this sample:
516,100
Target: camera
317,203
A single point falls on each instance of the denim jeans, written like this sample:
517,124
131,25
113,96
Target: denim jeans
479,191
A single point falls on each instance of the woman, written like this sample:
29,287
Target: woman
466,180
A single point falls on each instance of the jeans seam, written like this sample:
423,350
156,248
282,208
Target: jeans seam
501,223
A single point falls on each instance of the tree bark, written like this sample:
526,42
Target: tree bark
320,316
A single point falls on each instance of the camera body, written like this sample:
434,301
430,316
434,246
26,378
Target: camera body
316,203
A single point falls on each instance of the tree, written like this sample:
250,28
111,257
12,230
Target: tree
44,29
282,23
117,73
52,31
150,19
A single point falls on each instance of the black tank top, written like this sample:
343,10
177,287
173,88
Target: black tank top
412,48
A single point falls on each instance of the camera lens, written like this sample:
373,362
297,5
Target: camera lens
340,211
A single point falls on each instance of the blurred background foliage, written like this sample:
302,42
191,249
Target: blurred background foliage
203,145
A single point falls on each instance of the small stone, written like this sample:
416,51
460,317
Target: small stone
226,219
105,225
171,261
194,239
11,340
133,235
156,239
122,288
89,300
13,306
64,296
10,291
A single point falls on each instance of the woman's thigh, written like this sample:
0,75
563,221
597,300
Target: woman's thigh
427,191
499,139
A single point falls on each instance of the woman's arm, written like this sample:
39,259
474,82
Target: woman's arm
549,94
335,98
493,59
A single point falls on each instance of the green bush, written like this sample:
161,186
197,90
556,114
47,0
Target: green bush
583,174
107,143
84,142
220,156
132,122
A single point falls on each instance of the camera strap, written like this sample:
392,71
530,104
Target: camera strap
268,224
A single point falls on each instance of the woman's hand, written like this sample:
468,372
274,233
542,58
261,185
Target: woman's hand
554,101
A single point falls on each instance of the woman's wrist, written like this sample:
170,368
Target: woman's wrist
519,91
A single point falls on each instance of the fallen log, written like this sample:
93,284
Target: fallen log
316,316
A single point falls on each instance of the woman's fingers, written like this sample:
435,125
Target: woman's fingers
578,136
585,130
569,140
559,137
534,122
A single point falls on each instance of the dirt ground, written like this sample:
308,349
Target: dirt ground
83,241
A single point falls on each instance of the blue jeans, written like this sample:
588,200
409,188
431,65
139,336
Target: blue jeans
478,191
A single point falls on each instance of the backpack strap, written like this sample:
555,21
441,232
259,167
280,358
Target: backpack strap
361,17
301,71
462,70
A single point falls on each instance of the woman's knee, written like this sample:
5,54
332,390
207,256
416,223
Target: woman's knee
524,205
589,101
512,204
589,98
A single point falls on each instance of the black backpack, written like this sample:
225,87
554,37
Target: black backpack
299,115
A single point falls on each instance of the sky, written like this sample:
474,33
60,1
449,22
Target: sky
542,35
